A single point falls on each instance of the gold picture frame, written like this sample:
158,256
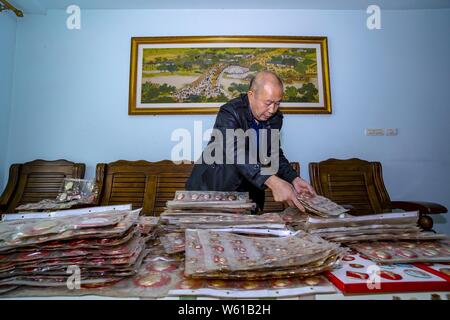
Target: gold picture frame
197,74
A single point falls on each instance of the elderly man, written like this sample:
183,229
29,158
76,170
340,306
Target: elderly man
257,110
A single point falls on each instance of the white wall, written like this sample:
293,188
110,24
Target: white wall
7,47
70,94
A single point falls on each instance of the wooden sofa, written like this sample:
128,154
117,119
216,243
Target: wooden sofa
37,180
360,184
150,184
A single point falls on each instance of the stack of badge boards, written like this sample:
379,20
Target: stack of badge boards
104,247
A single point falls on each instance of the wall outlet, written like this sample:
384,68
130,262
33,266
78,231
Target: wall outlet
392,132
374,132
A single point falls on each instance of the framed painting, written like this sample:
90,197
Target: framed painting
196,75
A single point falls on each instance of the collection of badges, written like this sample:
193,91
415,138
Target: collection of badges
211,210
223,255
388,226
104,247
272,288
359,274
321,206
73,192
210,202
153,278
208,243
405,251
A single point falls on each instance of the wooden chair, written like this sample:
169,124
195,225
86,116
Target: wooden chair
150,184
37,180
146,185
359,183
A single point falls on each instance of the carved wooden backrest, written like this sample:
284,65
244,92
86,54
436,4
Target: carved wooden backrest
149,184
353,182
37,180
143,184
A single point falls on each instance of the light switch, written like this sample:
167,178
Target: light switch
374,132
391,132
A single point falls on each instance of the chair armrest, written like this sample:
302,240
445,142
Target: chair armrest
8,193
421,206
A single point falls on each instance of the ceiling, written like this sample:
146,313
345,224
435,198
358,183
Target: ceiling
41,6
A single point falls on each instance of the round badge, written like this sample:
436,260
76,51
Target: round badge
348,258
194,196
190,284
207,196
218,249
407,253
251,285
385,245
218,283
431,245
161,266
281,283
390,275
357,275
220,260
240,249
180,196
417,273
152,280
381,255
312,281
242,258
405,244
429,252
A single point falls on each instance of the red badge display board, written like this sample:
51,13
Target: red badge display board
440,269
358,274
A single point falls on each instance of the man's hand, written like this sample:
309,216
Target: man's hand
284,192
303,187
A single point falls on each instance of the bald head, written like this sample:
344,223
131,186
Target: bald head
264,95
264,78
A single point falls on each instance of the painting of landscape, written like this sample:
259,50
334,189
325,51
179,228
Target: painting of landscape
211,75
219,74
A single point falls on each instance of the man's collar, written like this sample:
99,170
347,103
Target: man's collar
248,114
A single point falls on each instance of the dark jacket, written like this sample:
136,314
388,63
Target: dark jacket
236,114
